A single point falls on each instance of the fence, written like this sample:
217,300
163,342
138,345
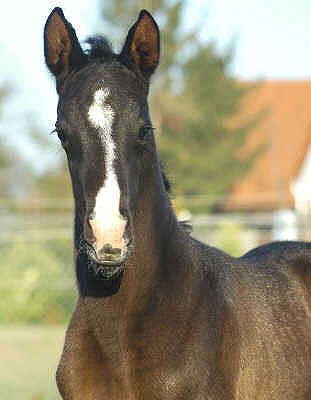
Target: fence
45,220
37,282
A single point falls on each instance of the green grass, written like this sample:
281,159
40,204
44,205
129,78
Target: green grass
28,361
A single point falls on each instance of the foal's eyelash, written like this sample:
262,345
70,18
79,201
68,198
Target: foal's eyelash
147,126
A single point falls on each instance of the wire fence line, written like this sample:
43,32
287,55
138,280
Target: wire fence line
38,229
47,219
37,273
248,201
44,229
65,284
36,235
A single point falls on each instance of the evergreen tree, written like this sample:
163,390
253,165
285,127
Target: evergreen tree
4,156
194,103
119,14
55,184
15,176
202,143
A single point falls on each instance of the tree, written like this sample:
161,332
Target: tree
194,101
53,184
202,140
4,156
15,175
119,14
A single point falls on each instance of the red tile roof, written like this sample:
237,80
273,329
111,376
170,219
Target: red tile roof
286,133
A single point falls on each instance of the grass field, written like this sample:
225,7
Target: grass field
28,360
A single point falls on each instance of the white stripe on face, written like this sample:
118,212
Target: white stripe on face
108,226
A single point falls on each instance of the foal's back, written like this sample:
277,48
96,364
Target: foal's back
270,298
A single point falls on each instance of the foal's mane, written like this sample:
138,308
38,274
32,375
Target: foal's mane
99,49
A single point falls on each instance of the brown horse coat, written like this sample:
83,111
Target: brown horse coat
161,315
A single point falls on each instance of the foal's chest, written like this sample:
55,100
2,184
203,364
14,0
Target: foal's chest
149,366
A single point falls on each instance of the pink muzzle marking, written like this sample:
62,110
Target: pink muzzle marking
112,236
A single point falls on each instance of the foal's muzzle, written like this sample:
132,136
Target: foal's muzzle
106,254
108,236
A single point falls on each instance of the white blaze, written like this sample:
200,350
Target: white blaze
108,225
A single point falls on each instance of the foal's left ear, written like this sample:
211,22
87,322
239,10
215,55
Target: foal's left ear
62,49
142,46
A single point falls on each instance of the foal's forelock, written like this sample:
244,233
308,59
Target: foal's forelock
106,222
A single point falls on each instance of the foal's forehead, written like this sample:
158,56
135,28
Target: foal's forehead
102,93
111,83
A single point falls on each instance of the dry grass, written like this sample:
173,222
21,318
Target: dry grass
29,356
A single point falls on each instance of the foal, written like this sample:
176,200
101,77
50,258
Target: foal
161,315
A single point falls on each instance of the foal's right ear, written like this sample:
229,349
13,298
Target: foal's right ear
142,46
62,49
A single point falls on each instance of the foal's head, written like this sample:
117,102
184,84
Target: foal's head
104,127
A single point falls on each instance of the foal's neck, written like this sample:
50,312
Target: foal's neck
157,235
156,232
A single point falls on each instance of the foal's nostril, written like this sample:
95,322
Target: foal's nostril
89,237
123,213
108,250
91,216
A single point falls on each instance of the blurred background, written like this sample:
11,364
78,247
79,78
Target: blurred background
231,107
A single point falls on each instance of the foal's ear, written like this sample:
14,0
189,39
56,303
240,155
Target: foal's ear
62,49
142,46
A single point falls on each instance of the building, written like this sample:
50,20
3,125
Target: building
280,179
279,176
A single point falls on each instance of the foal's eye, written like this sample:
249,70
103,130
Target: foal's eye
62,137
143,132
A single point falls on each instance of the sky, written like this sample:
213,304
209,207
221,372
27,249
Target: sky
272,41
